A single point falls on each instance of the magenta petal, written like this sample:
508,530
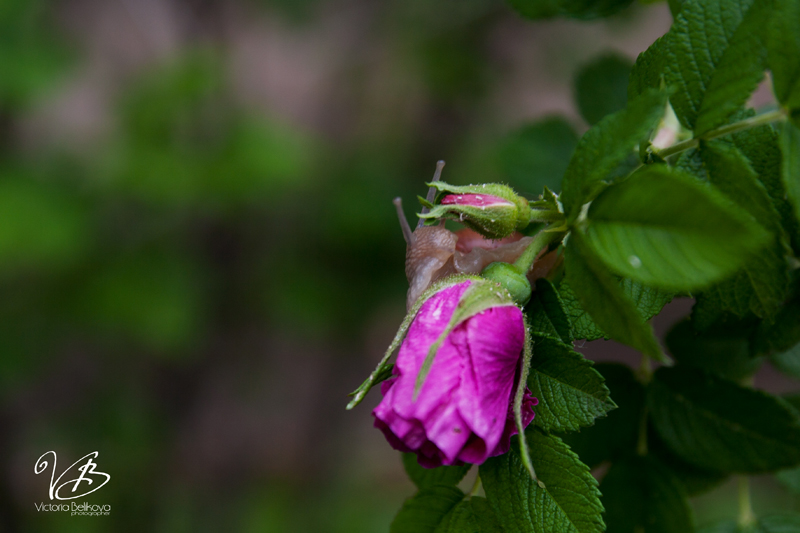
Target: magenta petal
495,340
445,373
475,200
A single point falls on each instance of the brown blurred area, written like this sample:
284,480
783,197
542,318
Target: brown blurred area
199,257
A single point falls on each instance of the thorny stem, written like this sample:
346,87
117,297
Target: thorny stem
541,241
746,515
758,120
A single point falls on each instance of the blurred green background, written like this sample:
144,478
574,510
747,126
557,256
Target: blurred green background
198,253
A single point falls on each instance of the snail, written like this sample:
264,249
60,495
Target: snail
434,252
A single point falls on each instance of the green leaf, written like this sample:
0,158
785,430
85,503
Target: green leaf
788,362
781,335
571,393
606,146
473,515
615,435
790,478
648,69
760,287
722,351
567,500
694,480
784,52
665,229
547,315
599,293
425,478
641,494
648,301
583,327
715,424
536,155
790,149
601,86
715,60
675,6
760,146
579,9
425,510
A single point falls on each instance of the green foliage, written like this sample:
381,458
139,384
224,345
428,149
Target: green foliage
720,350
713,423
601,86
599,294
614,436
790,150
426,478
761,148
604,147
663,228
470,516
715,60
760,287
694,480
780,335
641,494
571,393
647,71
425,511
784,53
546,313
648,301
566,500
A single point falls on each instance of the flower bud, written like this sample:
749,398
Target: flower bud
463,411
510,278
493,210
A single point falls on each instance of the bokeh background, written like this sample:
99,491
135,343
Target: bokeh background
199,257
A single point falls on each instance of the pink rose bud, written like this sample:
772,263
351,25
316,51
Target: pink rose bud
463,412
493,210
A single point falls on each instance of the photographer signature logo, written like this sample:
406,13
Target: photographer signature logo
88,477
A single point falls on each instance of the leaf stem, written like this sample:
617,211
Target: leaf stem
541,241
746,515
752,122
475,486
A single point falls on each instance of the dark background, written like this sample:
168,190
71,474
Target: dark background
199,257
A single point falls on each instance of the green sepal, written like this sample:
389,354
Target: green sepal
424,202
493,222
381,371
519,394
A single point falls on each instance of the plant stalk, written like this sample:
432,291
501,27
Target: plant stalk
752,122
541,241
746,515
